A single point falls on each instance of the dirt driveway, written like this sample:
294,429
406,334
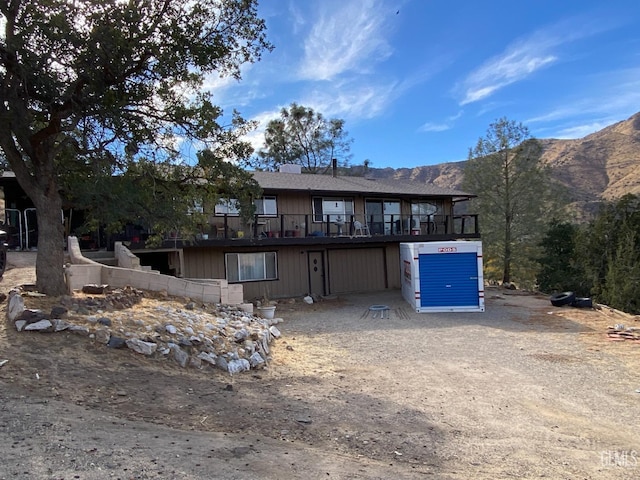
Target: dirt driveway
524,390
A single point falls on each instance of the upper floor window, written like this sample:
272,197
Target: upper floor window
336,208
228,207
265,206
426,210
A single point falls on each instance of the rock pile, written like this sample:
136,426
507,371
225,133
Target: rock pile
222,336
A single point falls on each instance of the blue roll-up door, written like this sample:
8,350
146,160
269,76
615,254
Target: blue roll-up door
448,279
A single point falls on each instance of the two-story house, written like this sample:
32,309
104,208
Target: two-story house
321,234
311,234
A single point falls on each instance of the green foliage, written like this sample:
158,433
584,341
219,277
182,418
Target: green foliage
93,88
600,259
609,249
164,197
304,137
621,289
560,268
514,196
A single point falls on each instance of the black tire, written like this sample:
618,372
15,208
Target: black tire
583,302
561,299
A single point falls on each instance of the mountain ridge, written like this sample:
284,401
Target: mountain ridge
602,166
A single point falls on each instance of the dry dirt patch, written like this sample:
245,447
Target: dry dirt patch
524,390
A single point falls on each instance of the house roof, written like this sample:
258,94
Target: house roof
345,184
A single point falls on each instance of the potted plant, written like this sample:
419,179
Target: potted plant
267,309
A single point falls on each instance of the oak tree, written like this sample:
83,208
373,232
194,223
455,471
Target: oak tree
88,85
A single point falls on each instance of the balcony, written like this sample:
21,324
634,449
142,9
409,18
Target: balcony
291,229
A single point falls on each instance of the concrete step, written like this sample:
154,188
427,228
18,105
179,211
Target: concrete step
101,256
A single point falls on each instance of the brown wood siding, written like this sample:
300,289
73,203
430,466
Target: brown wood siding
356,270
393,266
299,203
293,279
203,263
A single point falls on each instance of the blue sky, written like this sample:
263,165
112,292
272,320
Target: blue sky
419,81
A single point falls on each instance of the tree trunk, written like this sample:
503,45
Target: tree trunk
50,259
37,177
506,272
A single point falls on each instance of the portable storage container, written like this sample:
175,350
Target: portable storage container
443,276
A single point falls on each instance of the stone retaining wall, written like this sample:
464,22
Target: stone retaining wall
84,271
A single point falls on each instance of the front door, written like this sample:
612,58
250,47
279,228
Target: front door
316,273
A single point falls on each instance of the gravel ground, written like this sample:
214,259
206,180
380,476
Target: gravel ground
523,390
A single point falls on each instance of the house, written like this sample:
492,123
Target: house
321,234
311,234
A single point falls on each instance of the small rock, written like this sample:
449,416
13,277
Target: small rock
171,329
58,311
16,305
79,329
40,326
116,342
103,335
142,347
60,325
222,364
240,335
32,315
93,289
180,356
274,331
237,366
256,360
104,321
208,357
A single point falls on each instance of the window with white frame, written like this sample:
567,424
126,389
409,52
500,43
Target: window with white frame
266,206
229,206
338,208
251,267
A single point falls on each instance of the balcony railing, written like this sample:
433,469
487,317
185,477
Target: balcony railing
350,225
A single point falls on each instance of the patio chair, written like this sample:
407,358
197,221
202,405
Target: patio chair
360,229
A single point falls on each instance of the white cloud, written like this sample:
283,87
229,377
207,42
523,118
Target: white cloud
347,36
524,57
434,127
579,131
256,137
515,64
442,126
604,99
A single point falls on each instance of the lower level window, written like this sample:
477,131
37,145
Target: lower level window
247,267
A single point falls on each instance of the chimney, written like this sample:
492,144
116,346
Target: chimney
334,167
290,168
